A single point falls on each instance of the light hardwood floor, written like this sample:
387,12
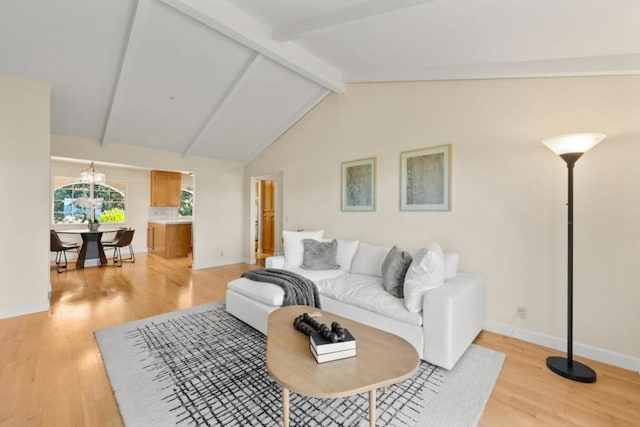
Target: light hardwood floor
51,372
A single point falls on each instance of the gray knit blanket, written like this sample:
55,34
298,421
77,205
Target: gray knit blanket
298,290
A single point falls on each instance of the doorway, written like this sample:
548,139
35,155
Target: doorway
264,244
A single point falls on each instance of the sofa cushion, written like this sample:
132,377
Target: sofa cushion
346,251
425,273
368,260
394,269
293,248
273,295
319,255
316,275
366,292
266,293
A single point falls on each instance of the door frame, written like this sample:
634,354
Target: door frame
261,199
277,178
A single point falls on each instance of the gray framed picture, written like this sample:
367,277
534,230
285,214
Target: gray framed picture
425,177
359,185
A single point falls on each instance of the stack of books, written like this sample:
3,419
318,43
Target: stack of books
326,351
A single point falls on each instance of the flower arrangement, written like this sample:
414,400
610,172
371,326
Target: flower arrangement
89,204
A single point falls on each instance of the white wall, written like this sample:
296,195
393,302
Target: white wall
24,188
218,210
508,217
138,197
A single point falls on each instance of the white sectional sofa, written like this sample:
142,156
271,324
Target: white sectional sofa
451,316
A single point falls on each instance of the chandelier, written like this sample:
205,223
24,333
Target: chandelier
90,176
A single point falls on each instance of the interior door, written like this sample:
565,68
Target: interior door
268,216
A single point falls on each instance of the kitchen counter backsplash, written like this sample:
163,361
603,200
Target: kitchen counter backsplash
167,216
156,213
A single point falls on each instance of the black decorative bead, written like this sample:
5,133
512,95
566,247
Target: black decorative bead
307,325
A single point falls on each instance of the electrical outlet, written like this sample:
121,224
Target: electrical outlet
521,312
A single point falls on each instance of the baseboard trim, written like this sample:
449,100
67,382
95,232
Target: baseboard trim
584,350
74,256
21,311
221,263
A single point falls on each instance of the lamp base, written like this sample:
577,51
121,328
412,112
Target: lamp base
577,372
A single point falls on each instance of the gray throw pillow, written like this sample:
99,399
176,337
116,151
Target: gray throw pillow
394,269
319,255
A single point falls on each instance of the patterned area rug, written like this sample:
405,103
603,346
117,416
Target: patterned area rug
204,367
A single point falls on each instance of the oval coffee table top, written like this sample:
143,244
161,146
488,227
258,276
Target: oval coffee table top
382,358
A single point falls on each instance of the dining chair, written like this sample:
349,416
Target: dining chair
61,248
125,240
116,236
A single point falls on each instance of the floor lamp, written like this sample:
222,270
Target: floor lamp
571,148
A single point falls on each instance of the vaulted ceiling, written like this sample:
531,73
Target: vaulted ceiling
224,79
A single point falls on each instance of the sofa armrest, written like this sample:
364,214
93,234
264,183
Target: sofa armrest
453,315
274,262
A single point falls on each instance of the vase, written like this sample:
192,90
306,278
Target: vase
93,226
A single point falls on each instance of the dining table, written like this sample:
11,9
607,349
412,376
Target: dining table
91,252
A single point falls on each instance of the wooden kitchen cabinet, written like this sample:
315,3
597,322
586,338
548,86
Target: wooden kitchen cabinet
169,240
156,238
165,188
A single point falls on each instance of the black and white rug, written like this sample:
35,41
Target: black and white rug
203,367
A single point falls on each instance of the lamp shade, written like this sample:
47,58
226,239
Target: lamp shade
573,143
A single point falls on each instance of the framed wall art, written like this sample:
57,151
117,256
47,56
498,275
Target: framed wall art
359,185
425,178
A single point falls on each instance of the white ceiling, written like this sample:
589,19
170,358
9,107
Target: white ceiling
224,79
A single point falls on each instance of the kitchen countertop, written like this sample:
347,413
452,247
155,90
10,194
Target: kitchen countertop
171,221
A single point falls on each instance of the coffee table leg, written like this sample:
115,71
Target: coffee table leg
285,407
372,408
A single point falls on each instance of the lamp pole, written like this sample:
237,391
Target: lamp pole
571,161
567,367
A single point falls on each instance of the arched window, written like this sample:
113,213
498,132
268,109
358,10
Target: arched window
110,207
186,203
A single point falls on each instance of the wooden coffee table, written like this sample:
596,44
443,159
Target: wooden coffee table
382,359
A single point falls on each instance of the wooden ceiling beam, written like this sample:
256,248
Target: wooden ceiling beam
247,30
243,75
138,25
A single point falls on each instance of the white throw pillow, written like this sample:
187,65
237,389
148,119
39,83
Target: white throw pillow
368,260
293,247
451,265
426,272
346,251
451,260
